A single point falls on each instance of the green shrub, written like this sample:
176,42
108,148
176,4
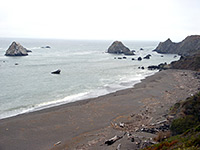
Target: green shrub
181,125
197,129
192,106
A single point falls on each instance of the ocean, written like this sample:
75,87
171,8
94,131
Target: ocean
87,71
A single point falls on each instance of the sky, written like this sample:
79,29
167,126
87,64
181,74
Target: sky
100,19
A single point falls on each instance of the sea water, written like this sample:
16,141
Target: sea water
87,71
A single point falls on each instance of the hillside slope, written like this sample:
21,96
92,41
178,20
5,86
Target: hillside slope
185,127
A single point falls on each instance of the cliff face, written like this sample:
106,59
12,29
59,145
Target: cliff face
189,46
16,49
118,47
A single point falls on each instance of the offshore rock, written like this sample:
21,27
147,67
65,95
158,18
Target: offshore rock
118,47
139,58
16,49
188,47
147,57
46,46
56,72
162,66
29,51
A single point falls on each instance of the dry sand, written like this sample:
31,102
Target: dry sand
89,123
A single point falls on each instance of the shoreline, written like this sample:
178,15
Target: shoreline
69,123
49,106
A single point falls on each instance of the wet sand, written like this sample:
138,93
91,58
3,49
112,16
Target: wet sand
87,124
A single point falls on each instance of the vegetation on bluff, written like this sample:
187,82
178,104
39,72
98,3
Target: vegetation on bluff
185,127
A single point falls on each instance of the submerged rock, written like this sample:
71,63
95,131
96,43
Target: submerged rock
46,46
16,49
118,47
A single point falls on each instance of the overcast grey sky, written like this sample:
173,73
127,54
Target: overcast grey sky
100,19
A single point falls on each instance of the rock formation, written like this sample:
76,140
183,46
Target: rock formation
56,72
29,51
166,47
147,56
189,46
185,63
46,46
16,49
188,63
162,66
118,47
139,58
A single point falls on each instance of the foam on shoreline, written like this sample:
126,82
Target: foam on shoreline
101,91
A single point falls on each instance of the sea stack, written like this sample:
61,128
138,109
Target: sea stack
16,49
118,47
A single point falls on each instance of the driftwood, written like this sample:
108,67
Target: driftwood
160,122
57,143
118,147
113,140
121,125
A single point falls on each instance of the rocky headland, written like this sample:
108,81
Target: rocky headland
189,46
188,63
189,49
16,49
184,63
118,47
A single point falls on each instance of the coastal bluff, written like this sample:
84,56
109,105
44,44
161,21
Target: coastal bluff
189,46
117,47
187,63
16,49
